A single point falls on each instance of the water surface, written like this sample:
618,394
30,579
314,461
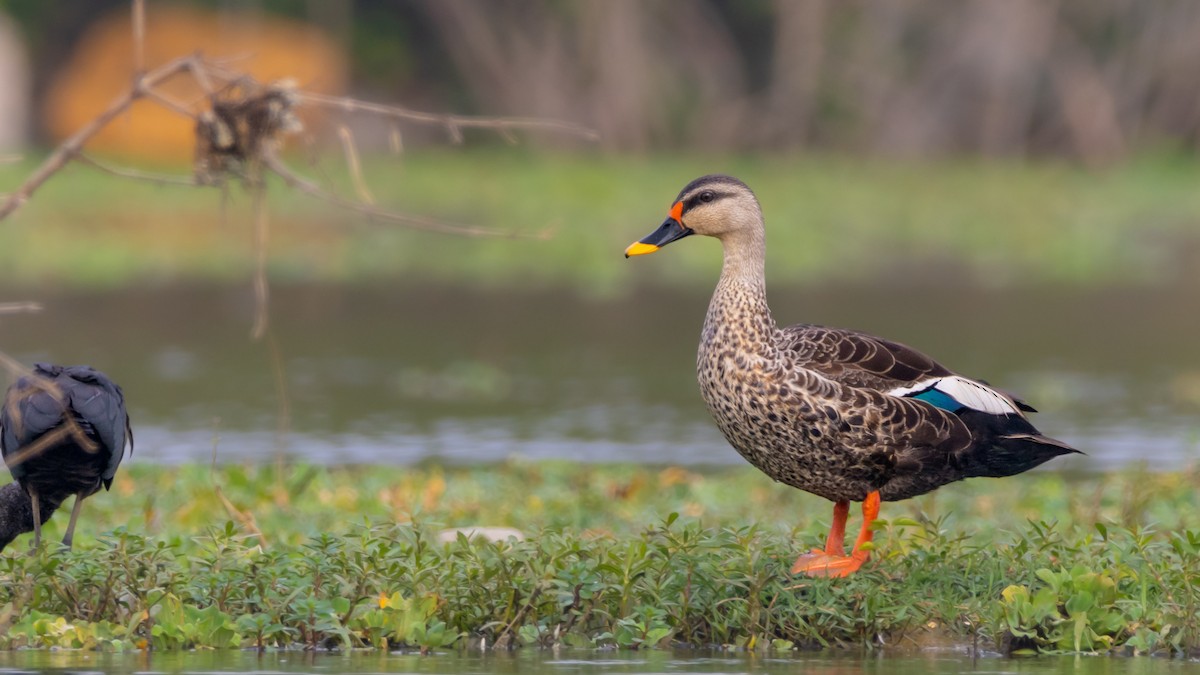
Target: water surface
405,373
535,662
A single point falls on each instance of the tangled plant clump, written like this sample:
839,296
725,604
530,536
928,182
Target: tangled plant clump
244,121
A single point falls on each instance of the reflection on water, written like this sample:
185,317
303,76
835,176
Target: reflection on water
537,662
401,374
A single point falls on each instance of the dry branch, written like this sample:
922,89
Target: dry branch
454,124
245,518
14,367
262,292
161,179
170,103
71,147
239,127
37,384
46,441
239,124
139,38
19,307
414,221
356,174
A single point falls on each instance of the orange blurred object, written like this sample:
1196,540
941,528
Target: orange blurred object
101,68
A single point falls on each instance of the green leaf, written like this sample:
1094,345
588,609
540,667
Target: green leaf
1080,626
1049,577
656,635
1079,603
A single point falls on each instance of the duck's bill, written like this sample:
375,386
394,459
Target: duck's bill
669,231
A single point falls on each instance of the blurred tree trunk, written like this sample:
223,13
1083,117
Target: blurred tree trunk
1008,41
908,77
796,66
1087,79
621,92
1088,107
634,69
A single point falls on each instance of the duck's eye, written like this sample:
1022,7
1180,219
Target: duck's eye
707,196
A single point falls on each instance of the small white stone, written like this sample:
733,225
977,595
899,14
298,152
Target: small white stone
488,533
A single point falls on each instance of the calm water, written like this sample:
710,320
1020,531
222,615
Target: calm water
584,663
402,374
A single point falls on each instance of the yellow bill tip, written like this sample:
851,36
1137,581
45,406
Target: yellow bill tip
638,248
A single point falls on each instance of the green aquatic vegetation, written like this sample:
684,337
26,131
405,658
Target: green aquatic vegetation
352,557
1098,604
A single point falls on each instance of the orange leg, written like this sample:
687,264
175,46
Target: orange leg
833,562
835,544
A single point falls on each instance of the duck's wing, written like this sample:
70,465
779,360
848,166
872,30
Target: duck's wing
862,360
938,427
912,446
926,438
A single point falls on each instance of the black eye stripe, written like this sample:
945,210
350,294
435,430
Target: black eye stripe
694,200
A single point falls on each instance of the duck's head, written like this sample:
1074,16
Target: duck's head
715,205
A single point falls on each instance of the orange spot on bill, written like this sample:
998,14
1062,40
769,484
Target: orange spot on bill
677,211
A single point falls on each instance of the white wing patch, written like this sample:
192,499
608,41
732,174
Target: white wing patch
968,393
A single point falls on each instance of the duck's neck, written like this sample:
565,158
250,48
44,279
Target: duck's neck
740,301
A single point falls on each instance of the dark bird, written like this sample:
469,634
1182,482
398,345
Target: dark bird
16,513
64,430
838,413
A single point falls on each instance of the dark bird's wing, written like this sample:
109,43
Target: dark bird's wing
99,404
31,409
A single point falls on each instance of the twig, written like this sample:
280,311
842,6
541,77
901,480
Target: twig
453,123
417,222
360,185
19,307
37,384
70,429
200,72
507,634
217,66
71,147
171,104
261,290
161,179
245,518
21,595
283,416
14,367
139,38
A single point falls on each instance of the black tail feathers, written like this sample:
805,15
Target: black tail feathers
1012,454
1006,445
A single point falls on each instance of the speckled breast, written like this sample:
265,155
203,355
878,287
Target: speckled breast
794,435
